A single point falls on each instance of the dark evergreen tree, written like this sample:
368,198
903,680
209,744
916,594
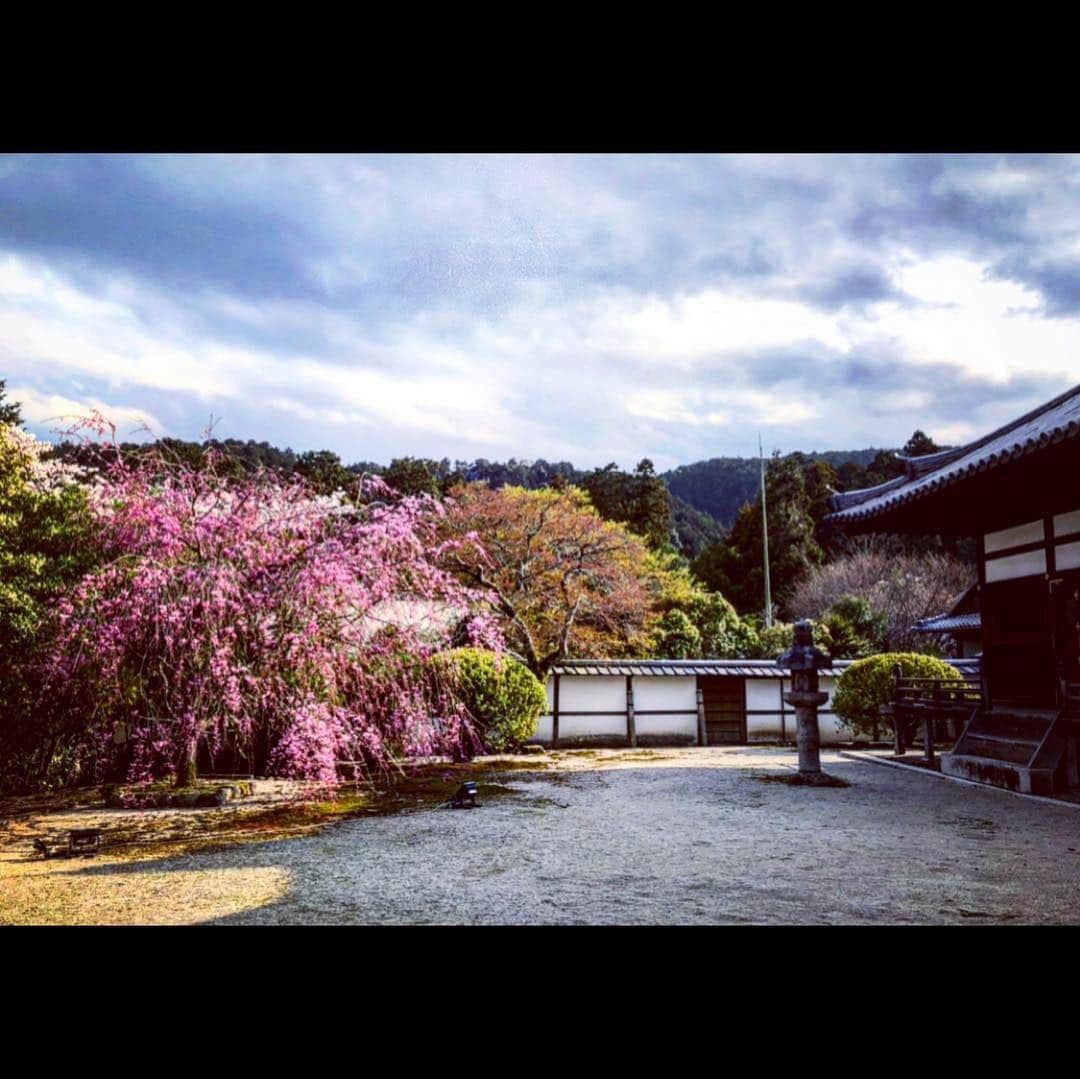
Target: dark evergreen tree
639,500
324,471
9,410
737,567
414,476
695,530
919,445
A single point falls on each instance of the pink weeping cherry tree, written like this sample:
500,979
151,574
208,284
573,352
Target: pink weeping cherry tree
235,612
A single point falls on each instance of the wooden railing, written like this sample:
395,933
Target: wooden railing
932,700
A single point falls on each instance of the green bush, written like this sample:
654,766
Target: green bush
700,625
855,629
47,542
677,637
723,633
868,683
780,636
503,697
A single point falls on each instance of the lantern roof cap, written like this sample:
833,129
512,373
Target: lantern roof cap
802,655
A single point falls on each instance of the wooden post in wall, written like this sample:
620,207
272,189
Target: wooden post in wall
783,712
702,733
631,726
555,714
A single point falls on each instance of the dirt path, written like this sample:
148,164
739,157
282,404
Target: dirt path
680,836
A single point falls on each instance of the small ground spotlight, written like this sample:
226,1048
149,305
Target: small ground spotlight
465,797
84,841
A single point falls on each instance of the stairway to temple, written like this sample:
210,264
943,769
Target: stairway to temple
1017,748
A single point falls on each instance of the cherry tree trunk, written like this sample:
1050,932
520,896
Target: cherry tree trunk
186,771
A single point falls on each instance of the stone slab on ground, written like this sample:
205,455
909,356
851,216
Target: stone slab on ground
208,793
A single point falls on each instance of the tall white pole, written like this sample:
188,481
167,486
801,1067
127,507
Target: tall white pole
765,537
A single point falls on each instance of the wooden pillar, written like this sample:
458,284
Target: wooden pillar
984,679
702,731
631,728
555,714
898,718
928,721
1072,763
938,697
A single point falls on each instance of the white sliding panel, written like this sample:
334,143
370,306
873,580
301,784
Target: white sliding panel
1013,537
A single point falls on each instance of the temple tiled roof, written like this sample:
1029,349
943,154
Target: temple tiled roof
949,623
1047,425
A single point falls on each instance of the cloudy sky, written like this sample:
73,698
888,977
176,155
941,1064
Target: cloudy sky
570,307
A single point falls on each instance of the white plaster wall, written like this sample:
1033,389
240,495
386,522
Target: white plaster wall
590,726
588,693
828,724
543,729
607,693
677,693
764,693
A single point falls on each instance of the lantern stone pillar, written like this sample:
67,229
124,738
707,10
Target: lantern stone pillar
804,661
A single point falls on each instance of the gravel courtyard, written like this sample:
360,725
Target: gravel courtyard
702,836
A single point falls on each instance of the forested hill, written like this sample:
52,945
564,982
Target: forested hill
721,485
701,503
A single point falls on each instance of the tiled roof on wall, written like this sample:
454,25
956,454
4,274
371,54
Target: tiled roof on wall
730,668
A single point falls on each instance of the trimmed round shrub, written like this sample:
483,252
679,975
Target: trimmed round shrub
868,683
503,697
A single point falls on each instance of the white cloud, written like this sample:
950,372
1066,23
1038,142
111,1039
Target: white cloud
954,434
50,328
990,328
559,307
51,413
688,328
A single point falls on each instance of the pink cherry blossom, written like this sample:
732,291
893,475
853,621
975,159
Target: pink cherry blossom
250,617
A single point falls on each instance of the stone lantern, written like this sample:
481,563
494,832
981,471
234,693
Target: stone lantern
804,661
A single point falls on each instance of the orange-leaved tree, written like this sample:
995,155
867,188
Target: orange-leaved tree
562,580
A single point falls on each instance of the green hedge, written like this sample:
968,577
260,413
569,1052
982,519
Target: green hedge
868,683
503,697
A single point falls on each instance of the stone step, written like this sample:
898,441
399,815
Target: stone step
998,747
1028,726
999,773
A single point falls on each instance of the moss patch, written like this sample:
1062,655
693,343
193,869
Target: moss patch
800,779
14,806
131,834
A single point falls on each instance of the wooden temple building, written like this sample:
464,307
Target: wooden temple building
1017,492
